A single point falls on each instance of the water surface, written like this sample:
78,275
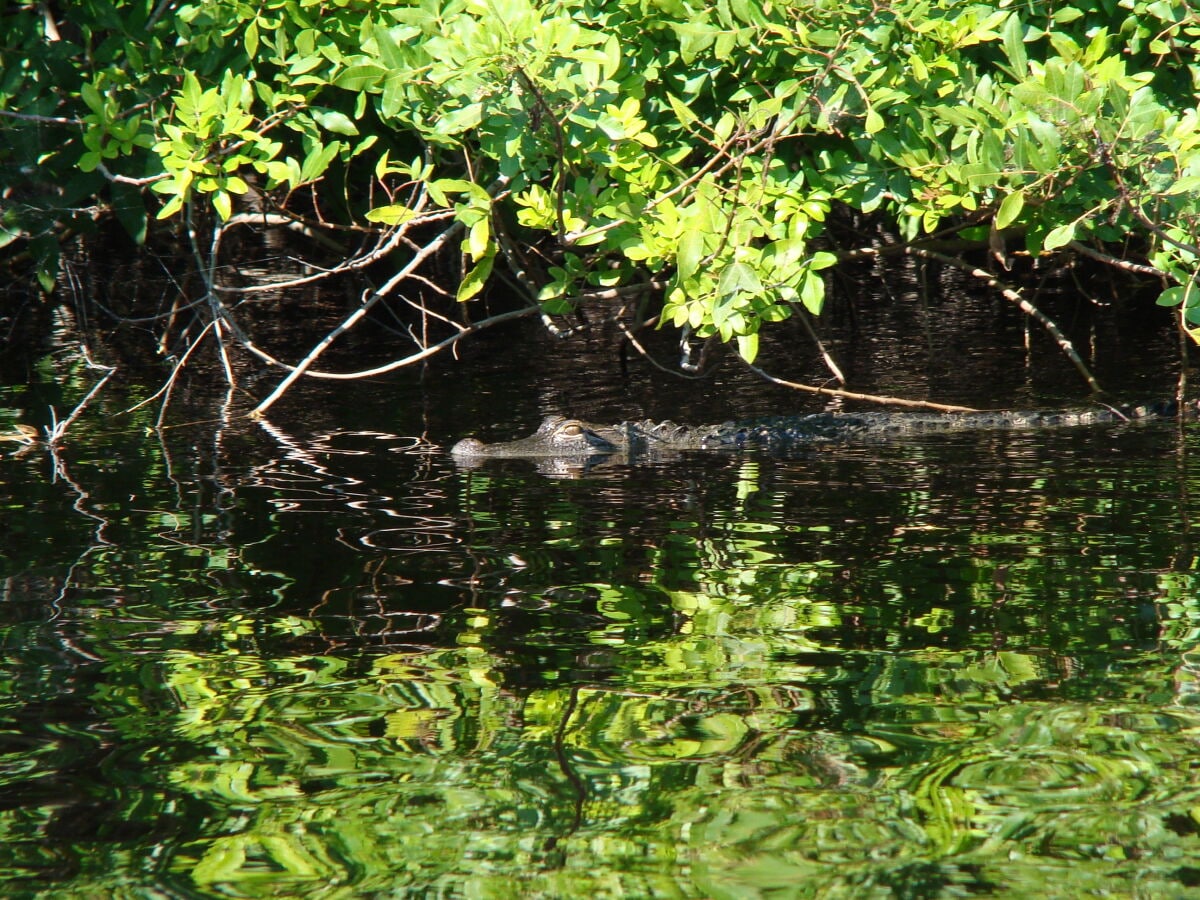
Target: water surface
313,657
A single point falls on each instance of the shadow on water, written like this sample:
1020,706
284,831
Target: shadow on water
312,656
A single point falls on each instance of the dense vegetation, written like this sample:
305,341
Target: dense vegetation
636,152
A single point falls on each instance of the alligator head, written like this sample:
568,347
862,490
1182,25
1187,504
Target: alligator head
556,436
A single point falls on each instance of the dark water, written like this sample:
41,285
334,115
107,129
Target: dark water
312,657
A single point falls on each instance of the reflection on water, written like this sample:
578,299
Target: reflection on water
337,665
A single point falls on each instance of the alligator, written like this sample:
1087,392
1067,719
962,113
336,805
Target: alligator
567,438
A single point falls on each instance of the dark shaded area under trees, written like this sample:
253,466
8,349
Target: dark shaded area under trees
703,171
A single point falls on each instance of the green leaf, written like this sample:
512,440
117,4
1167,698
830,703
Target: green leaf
1059,237
251,39
92,97
812,293
724,127
1013,35
476,278
390,215
695,37
822,259
459,120
1067,14
47,279
1010,209
1187,185
738,277
442,186
172,206
479,238
612,56
191,96
557,306
1172,296
721,310
337,122
223,204
318,160
360,77
8,234
689,253
747,345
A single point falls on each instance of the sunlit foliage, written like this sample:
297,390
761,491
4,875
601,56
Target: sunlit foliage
696,147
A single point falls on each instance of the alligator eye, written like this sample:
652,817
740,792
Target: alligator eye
573,429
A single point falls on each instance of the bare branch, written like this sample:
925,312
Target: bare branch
41,120
1124,264
830,362
633,341
368,302
851,395
560,178
1009,293
176,371
57,430
393,240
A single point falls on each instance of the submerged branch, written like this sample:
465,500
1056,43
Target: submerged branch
176,371
1014,296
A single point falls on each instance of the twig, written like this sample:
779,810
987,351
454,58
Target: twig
629,336
560,178
175,373
41,120
615,293
575,237
1123,264
125,179
851,395
830,362
1009,293
369,301
424,353
57,430
518,267
1135,203
350,321
219,334
361,261
161,8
